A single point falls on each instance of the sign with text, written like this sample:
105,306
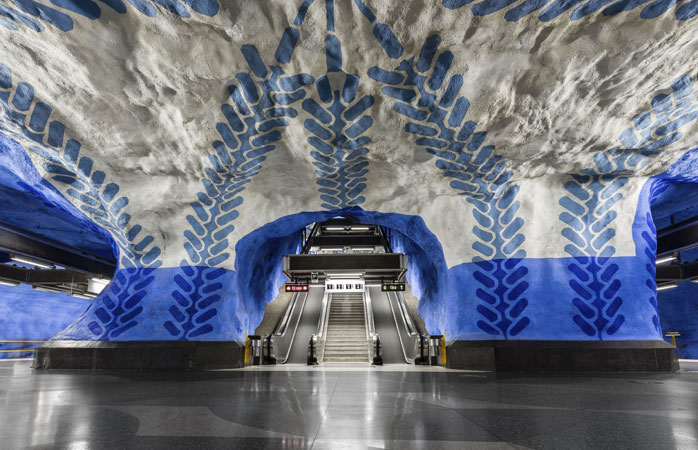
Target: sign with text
395,287
344,285
291,287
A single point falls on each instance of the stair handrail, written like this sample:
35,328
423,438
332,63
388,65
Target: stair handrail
279,337
406,316
372,338
282,325
318,339
407,335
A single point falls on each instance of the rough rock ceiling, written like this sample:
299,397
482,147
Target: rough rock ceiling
315,105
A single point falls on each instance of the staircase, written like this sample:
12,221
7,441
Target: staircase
346,329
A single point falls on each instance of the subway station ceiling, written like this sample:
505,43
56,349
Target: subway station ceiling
514,129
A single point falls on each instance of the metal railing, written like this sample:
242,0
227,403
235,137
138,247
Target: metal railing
316,346
415,345
281,342
20,351
374,348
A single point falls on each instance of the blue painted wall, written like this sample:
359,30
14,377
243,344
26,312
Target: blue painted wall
678,310
676,197
223,304
498,292
30,315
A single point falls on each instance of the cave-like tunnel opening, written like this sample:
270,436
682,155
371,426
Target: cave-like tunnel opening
673,200
53,260
351,256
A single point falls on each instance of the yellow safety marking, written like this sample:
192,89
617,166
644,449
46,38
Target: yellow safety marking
16,351
247,349
673,341
23,342
443,348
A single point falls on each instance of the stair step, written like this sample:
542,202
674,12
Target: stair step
338,359
347,348
346,330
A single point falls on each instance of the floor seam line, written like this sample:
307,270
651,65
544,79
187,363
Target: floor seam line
325,412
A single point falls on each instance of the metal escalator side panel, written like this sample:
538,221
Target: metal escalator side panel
409,324
306,326
388,328
321,332
293,320
282,324
370,323
395,310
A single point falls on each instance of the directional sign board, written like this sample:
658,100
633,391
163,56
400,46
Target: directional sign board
393,287
344,285
293,287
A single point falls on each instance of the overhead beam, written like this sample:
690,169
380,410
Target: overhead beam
348,240
44,276
14,240
678,237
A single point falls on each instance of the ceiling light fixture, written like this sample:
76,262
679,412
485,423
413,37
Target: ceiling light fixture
664,287
31,261
9,283
665,259
97,285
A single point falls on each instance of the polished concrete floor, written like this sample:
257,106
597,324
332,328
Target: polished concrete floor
344,409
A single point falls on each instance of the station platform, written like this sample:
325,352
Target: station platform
344,407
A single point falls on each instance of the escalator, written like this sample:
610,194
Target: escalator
347,310
291,338
399,336
385,327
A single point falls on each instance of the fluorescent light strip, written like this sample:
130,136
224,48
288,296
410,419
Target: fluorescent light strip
666,286
88,297
9,283
101,280
665,259
22,259
43,289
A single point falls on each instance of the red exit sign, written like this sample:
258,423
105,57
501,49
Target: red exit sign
296,287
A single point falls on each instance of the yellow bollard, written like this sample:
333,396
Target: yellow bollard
247,349
443,348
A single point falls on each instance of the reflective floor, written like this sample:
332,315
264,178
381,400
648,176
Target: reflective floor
338,409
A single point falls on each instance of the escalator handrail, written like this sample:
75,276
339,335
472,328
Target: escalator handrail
322,320
282,325
397,328
405,313
295,329
318,339
370,323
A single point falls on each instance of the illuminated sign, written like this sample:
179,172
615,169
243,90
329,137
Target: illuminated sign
392,287
344,285
296,287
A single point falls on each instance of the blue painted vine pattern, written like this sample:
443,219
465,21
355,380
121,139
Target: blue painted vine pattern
29,120
548,10
35,15
423,90
475,171
592,196
260,104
